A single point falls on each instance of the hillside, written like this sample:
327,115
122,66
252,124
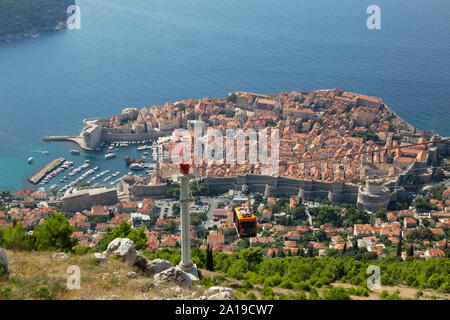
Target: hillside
24,18
38,275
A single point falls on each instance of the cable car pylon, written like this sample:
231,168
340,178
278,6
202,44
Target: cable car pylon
184,179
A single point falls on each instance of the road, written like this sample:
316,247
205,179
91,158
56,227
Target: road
212,202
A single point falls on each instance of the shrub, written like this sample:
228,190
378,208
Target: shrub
5,292
267,293
207,282
83,250
251,296
44,293
3,270
335,294
386,296
15,238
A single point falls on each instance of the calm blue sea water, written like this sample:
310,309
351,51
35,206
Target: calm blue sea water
138,53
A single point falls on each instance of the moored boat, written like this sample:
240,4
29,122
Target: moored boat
130,161
136,166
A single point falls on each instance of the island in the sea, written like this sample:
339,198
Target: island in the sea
21,19
338,145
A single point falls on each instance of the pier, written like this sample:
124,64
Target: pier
77,139
37,176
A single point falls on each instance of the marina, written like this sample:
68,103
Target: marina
39,175
93,169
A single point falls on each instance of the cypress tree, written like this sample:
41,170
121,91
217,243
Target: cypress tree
410,251
345,248
355,245
399,247
209,259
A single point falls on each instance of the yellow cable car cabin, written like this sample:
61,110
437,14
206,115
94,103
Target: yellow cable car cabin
245,221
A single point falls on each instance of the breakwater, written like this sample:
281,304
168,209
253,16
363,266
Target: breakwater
38,175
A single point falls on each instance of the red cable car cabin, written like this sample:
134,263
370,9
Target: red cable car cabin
245,222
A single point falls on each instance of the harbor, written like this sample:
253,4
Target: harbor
105,166
40,174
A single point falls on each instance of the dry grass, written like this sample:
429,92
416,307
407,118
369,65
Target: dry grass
37,275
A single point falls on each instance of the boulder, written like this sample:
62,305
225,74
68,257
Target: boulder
225,295
173,275
123,248
216,289
132,275
100,257
156,266
60,256
141,261
3,258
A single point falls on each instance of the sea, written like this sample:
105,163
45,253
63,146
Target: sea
139,53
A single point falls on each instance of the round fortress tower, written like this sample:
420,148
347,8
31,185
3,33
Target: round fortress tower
373,196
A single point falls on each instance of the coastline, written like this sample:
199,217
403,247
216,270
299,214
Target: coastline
61,26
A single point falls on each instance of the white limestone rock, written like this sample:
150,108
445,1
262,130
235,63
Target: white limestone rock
141,261
215,289
173,275
60,256
3,258
132,275
156,266
225,295
123,248
100,257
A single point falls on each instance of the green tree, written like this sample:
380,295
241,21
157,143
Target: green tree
173,192
171,226
176,208
310,252
5,194
299,213
55,234
410,251
438,174
381,213
124,230
232,97
252,255
15,238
